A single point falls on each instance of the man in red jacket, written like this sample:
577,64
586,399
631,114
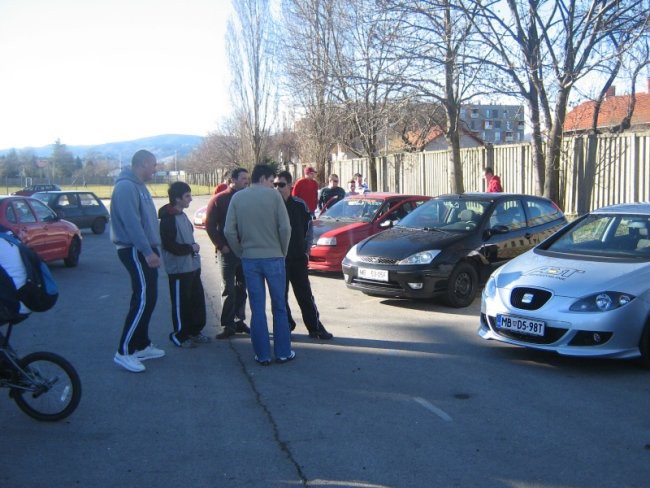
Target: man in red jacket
492,181
307,189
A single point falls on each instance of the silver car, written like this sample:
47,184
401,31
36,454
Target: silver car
585,291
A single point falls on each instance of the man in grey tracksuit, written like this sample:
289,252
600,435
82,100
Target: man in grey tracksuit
180,253
134,231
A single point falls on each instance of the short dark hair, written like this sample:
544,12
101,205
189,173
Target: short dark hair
262,171
286,175
141,156
488,170
234,174
177,190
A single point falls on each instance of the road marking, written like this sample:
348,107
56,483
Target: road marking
432,408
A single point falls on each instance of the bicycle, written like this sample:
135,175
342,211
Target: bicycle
44,385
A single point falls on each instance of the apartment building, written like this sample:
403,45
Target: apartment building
495,124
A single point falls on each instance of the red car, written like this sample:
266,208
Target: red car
38,226
353,219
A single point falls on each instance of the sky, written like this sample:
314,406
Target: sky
98,71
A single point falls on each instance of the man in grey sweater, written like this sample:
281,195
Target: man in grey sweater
258,231
134,231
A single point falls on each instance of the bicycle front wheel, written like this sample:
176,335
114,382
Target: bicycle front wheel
51,388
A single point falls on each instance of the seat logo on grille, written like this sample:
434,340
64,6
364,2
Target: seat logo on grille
527,298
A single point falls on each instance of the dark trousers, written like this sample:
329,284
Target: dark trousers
233,289
188,305
297,275
144,286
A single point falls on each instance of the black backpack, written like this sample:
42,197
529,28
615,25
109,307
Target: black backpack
40,292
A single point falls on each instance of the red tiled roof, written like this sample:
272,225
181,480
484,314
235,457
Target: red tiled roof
414,137
611,113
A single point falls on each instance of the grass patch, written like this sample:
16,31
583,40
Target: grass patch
105,191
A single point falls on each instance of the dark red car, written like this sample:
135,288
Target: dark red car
38,226
353,219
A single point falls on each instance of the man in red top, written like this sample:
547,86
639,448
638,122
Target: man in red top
492,181
307,189
233,285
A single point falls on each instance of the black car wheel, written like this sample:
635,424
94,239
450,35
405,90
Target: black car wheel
463,282
99,226
73,253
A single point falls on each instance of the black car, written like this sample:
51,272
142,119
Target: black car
449,245
30,190
82,208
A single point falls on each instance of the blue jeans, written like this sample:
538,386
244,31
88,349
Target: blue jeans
256,273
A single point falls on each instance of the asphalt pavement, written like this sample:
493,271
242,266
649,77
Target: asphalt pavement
406,395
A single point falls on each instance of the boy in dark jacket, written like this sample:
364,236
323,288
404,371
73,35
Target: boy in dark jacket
182,262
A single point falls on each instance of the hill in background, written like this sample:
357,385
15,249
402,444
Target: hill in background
165,147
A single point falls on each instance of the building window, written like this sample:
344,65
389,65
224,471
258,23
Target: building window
472,124
505,114
497,136
509,137
497,124
488,124
475,113
463,113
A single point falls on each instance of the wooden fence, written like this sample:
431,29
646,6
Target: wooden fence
618,167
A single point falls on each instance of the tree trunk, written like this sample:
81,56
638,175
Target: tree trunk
554,149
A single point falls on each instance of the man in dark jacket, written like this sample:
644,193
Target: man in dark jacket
296,261
331,194
233,285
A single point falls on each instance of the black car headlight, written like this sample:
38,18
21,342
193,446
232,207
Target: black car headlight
352,254
424,257
602,302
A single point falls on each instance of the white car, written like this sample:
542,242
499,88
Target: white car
585,291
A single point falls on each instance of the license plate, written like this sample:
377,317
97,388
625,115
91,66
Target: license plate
373,274
523,326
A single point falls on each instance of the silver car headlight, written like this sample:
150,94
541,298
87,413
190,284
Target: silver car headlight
602,302
352,254
490,287
326,241
424,257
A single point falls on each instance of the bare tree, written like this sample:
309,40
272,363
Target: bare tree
307,47
436,38
544,47
366,73
251,59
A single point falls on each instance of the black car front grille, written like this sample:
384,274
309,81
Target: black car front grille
376,260
529,298
551,334
380,285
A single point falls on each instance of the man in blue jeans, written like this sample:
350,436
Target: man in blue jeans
258,231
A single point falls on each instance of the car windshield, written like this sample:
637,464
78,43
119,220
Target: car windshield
615,236
353,209
448,214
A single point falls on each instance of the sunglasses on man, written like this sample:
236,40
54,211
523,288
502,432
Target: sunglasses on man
279,184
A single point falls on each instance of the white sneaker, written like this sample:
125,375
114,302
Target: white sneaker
129,361
149,352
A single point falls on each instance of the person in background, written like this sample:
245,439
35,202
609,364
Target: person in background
297,260
352,188
361,186
306,189
222,186
330,194
492,181
233,284
135,233
180,254
258,231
